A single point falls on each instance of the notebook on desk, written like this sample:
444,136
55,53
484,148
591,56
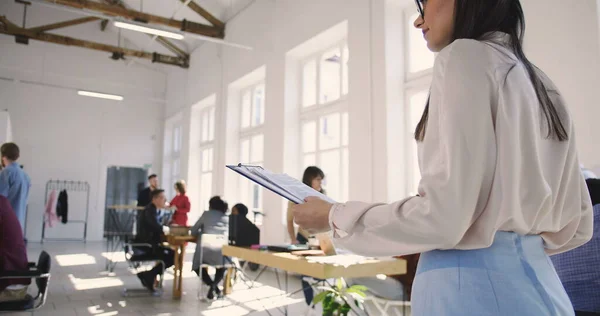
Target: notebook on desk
286,248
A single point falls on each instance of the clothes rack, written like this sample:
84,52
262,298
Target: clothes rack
69,186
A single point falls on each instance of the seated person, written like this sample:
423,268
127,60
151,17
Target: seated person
13,255
149,231
579,268
213,222
242,232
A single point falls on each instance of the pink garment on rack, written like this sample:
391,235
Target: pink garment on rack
50,212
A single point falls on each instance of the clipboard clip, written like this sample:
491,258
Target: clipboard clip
251,166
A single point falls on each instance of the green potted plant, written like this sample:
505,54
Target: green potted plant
339,300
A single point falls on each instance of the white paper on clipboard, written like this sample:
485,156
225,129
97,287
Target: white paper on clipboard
279,183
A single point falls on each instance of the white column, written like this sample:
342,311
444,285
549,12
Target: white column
359,102
273,230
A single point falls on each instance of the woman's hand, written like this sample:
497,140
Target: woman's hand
313,215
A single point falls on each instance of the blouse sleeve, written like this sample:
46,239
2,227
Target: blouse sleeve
184,205
457,165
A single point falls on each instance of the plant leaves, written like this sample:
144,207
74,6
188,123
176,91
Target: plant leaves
357,292
320,297
359,287
339,284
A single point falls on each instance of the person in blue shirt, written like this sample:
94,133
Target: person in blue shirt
14,182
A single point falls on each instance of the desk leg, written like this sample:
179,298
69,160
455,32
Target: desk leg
181,257
286,291
228,286
178,268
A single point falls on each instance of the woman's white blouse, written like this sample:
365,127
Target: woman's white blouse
486,166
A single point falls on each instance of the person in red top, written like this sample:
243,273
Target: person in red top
181,204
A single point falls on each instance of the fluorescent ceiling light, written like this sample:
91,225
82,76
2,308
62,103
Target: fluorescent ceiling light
100,95
149,30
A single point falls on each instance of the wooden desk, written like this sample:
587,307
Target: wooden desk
291,263
178,244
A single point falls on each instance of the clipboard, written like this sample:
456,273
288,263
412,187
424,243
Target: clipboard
281,184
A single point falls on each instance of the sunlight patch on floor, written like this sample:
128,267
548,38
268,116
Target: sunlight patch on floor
74,260
94,283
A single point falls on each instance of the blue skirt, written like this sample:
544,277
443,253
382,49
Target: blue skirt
512,277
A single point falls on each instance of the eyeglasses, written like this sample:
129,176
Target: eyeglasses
420,7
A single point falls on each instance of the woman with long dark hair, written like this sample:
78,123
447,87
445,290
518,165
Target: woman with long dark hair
501,187
312,177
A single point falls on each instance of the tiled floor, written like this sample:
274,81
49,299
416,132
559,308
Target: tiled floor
80,286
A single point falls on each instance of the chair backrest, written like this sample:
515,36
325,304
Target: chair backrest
43,266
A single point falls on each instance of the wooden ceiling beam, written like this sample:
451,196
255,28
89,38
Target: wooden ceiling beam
8,28
186,26
59,25
161,40
205,14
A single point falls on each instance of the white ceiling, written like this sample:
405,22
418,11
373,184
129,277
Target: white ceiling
40,14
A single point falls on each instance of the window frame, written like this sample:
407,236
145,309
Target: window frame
251,89
317,57
408,75
174,155
248,133
315,115
414,83
208,143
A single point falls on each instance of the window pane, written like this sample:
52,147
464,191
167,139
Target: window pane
309,136
205,126
330,76
419,56
256,196
246,103
345,174
345,129
175,169
177,139
244,186
205,190
207,160
346,57
256,154
309,83
329,131
211,124
245,151
417,103
329,162
309,160
258,104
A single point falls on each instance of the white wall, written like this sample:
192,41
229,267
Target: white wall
562,39
70,137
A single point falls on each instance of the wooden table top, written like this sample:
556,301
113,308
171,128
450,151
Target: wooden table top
125,207
134,207
291,263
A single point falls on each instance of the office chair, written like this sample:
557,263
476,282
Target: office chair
227,264
135,259
41,273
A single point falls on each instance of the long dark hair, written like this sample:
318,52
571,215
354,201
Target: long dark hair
476,19
310,173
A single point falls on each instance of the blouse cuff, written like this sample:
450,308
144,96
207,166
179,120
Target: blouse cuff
334,220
